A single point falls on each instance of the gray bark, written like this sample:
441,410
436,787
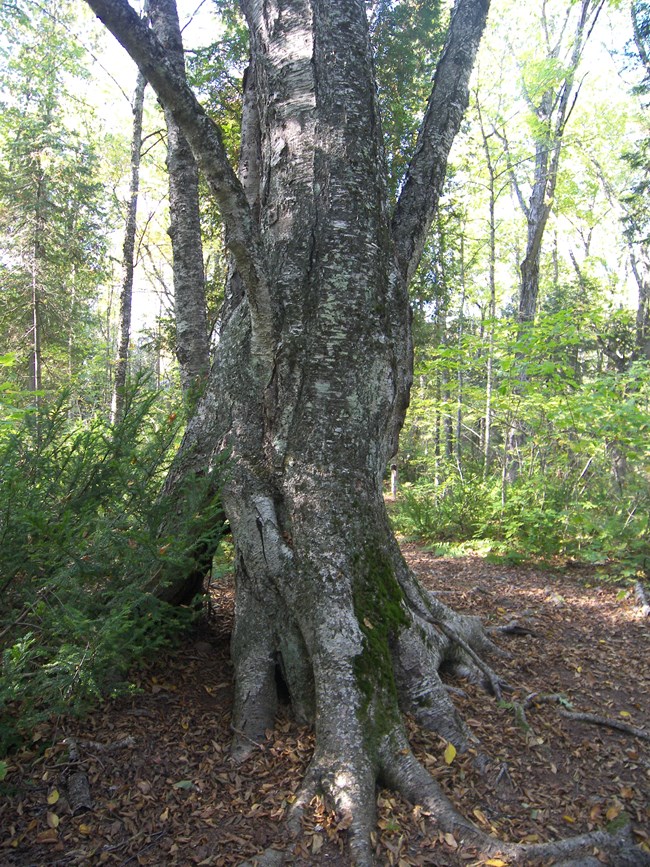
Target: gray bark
192,339
640,259
128,255
487,430
307,395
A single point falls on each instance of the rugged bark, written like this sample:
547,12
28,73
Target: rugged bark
307,396
192,339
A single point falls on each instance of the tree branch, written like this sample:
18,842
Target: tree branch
204,136
420,194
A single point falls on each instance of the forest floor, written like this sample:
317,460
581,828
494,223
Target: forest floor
165,793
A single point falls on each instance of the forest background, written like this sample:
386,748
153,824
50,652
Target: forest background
527,435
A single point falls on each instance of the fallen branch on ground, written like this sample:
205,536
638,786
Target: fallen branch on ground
77,782
590,718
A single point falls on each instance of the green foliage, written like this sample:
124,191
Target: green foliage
452,514
407,37
53,223
217,70
80,538
582,452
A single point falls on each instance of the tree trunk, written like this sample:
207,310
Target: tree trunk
307,396
492,256
640,259
552,113
128,255
192,339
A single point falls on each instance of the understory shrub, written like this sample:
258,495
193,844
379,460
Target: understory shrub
540,518
79,541
443,514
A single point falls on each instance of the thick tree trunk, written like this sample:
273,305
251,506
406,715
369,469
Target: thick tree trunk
192,339
307,396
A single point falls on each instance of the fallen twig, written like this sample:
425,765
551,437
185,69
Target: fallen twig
246,738
154,839
590,718
593,719
108,748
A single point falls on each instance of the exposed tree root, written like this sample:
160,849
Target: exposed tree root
351,789
512,628
345,774
642,599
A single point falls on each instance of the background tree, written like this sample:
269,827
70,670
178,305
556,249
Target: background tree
128,254
550,89
192,338
52,216
636,200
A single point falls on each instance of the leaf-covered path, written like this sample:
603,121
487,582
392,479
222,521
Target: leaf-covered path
165,793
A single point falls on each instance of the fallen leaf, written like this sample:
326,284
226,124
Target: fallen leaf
450,840
53,820
49,836
496,862
450,753
480,815
53,797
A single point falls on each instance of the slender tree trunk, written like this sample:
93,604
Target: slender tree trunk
640,260
192,339
552,112
641,35
128,255
492,236
37,253
461,335
36,376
